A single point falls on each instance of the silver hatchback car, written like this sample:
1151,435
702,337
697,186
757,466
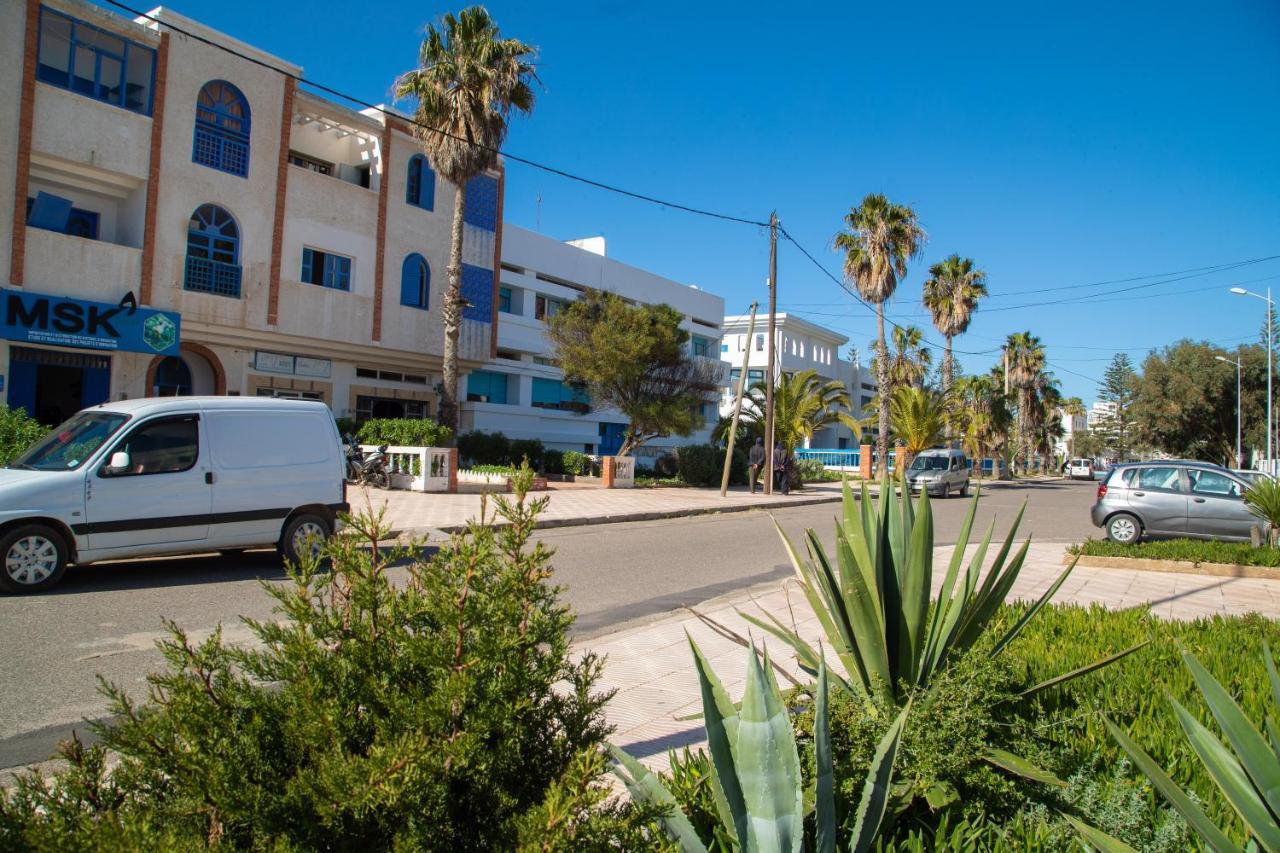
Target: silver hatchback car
1162,498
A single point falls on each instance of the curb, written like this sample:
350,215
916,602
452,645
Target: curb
1176,567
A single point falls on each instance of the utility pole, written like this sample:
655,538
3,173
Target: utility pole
737,405
768,376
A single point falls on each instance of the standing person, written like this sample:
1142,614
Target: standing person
781,468
755,458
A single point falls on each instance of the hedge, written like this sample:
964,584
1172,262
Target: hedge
1187,550
404,432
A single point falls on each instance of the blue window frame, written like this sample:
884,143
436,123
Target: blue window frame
213,252
326,269
221,138
420,187
701,346
557,394
57,214
485,386
95,63
504,300
415,282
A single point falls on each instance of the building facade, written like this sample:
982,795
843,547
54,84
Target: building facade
522,392
176,218
800,345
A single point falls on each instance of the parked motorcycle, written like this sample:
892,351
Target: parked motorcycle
366,469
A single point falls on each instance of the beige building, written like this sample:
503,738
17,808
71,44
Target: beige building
175,218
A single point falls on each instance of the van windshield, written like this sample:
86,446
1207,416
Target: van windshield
929,463
68,446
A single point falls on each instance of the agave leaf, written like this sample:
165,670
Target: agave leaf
1096,838
824,799
1256,759
957,607
1084,670
1019,766
1192,813
1033,610
1273,734
645,787
948,586
866,626
985,604
966,632
876,788
1271,673
722,723
806,653
916,587
768,766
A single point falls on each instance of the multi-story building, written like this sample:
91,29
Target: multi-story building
1072,425
177,218
522,392
800,345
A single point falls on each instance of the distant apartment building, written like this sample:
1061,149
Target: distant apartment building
800,345
176,219
1072,425
522,393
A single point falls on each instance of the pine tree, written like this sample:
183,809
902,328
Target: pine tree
1118,389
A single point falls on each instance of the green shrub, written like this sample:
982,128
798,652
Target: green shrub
18,431
1188,550
439,710
577,463
666,465
503,470
552,462
404,432
526,448
703,465
484,448
347,426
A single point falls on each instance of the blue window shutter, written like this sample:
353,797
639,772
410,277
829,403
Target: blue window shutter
50,212
415,281
306,265
413,185
427,193
344,273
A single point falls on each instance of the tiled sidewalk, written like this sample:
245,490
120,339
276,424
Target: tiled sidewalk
574,504
651,666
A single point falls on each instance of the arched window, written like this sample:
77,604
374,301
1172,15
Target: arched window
222,129
420,186
173,378
213,252
415,282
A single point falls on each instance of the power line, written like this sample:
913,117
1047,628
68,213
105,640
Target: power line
1201,270
513,157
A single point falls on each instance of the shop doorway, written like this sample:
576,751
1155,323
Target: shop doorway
52,386
184,375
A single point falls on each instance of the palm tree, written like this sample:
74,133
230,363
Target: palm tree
980,414
951,294
1046,411
1026,363
910,362
802,405
918,417
880,238
469,81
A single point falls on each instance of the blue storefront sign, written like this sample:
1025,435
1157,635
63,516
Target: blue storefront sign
40,318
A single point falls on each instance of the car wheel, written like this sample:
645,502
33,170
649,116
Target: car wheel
946,491
305,534
34,557
964,490
1123,528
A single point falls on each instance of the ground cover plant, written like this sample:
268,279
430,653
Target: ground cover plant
18,431
438,709
1187,550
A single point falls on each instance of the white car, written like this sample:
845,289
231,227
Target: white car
1080,469
173,475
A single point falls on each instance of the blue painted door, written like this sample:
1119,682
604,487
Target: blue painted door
22,385
611,436
95,387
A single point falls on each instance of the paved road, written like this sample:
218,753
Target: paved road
105,619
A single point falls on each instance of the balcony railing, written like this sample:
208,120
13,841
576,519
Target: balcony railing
218,151
206,276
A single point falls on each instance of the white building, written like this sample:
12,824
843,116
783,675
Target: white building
521,393
275,243
1071,426
800,345
1099,413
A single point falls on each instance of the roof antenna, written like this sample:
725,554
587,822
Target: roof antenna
538,226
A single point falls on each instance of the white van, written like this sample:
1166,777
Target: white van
1080,469
940,471
171,475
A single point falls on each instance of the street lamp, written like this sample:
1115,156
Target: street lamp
1240,291
1236,362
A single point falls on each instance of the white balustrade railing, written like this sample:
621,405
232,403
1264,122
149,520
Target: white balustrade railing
420,469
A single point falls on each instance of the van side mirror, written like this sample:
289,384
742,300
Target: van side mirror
118,464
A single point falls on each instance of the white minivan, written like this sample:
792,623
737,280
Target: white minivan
170,475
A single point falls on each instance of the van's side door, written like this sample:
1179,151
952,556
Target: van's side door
162,496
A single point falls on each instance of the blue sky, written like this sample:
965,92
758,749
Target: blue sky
1057,147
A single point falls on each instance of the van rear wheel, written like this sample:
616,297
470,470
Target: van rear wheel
34,559
304,535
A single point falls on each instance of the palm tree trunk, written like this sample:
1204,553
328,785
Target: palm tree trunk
451,314
882,380
948,367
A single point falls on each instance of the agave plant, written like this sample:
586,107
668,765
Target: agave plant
755,764
1262,499
1247,772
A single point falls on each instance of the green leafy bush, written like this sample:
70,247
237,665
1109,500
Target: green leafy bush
404,432
1188,550
703,465
577,463
347,426
552,462
440,710
503,470
484,448
526,448
18,431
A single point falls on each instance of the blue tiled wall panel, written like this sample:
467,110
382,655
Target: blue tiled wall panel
482,203
477,289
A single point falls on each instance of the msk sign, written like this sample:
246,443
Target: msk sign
39,318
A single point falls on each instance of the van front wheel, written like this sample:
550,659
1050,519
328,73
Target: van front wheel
34,559
305,534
